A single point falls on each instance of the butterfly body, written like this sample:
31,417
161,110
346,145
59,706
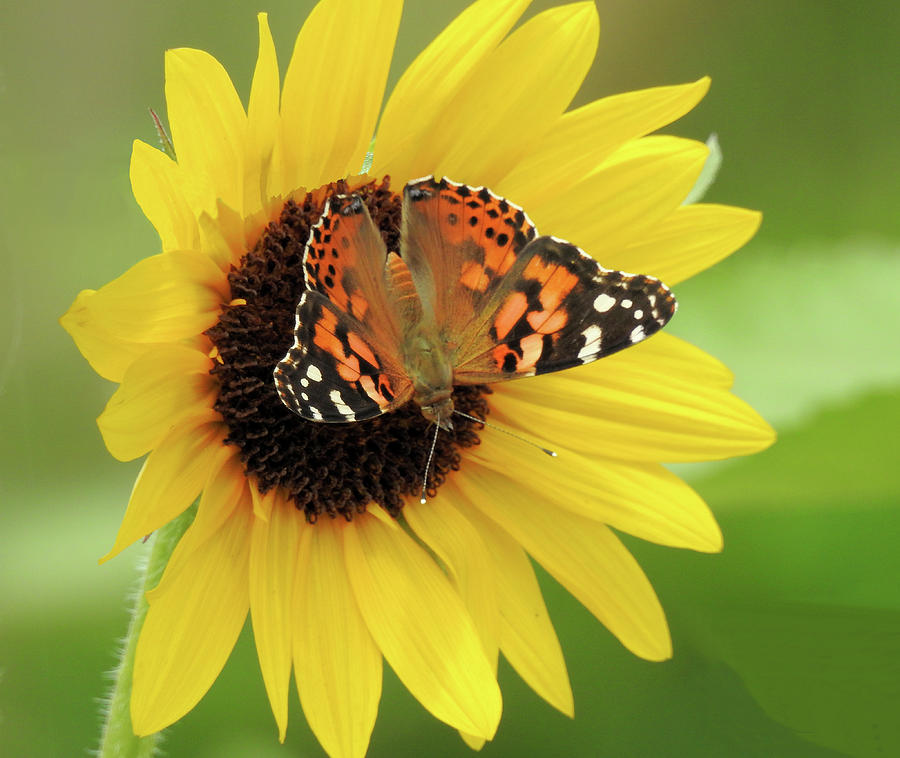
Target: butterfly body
474,296
429,365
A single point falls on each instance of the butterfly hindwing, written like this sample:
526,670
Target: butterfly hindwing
331,373
558,308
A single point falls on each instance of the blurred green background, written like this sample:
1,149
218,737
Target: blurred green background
787,644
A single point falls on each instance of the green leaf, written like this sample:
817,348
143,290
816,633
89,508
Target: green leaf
709,173
830,673
803,605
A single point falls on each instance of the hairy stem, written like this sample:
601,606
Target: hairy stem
118,739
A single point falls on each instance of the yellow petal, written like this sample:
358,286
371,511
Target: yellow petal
108,354
262,119
421,626
522,89
645,500
170,479
190,630
581,139
213,241
691,239
209,126
639,185
457,543
419,101
473,742
336,662
631,410
263,504
163,298
225,490
383,516
333,88
224,235
671,355
583,555
273,559
158,186
527,637
162,387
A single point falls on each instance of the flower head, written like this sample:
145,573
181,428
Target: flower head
317,530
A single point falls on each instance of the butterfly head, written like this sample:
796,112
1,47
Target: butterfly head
440,412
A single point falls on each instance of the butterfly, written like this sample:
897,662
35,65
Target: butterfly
473,296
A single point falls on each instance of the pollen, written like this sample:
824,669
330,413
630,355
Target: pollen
326,469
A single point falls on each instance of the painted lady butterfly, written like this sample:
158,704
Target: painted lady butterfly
473,297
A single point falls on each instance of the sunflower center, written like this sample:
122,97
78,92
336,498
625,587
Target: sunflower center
333,469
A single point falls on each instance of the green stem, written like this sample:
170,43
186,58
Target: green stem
118,739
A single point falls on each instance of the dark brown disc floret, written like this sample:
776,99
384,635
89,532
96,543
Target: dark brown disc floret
331,469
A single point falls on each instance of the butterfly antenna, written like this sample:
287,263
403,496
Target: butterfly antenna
437,428
549,452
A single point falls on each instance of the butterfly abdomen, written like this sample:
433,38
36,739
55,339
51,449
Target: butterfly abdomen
399,280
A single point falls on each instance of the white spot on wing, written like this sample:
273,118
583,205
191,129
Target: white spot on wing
342,407
603,303
626,303
314,412
592,335
313,373
637,334
639,313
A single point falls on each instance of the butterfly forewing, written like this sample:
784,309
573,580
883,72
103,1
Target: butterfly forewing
345,260
459,242
344,364
559,308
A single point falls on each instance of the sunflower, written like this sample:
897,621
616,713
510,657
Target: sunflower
317,529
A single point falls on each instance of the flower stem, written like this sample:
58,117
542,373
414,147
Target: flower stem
118,739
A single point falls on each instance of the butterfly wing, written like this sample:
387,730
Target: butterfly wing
332,373
559,308
459,242
344,364
509,303
344,259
